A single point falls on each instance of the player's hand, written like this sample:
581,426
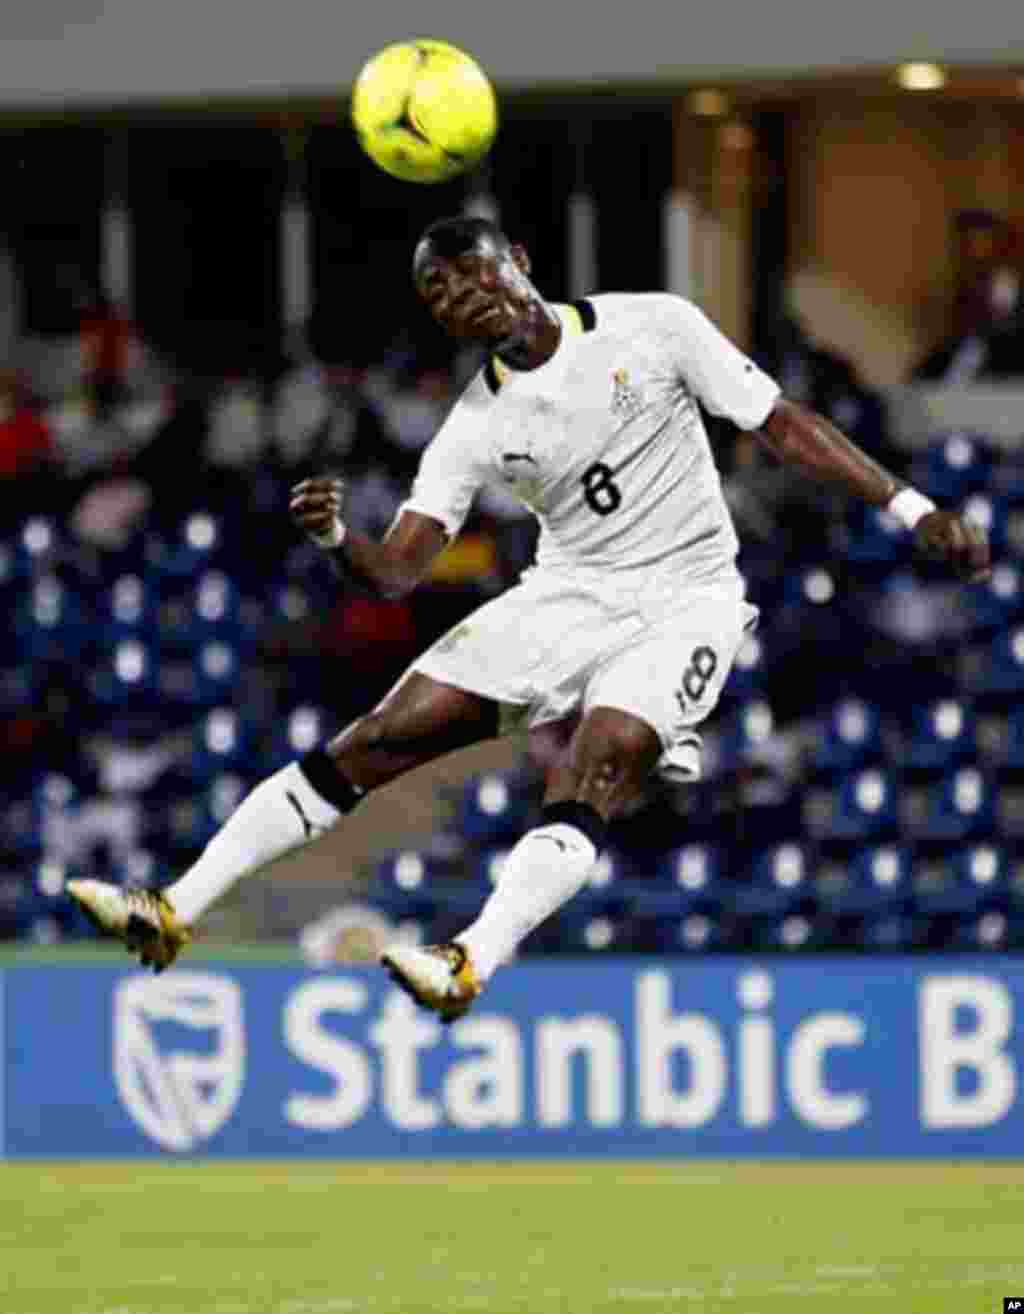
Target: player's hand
315,506
946,536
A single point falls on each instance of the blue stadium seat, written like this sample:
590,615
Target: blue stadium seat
290,602
142,867
942,736
962,807
968,882
210,612
493,805
1004,665
608,887
19,689
48,907
223,740
299,729
191,547
8,565
403,886
864,807
128,608
194,819
1006,478
991,930
52,622
1011,751
993,603
851,737
696,870
791,932
887,932
1014,528
984,867
129,674
223,794
874,537
688,879
210,678
953,467
778,884
21,906
21,826
878,880
591,931
991,513
697,932
749,669
34,547
748,730
811,586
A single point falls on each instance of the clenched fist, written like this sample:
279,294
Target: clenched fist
315,507
945,536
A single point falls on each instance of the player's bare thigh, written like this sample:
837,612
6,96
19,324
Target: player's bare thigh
604,760
418,721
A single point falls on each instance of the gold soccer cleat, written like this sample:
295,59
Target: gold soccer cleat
439,977
142,919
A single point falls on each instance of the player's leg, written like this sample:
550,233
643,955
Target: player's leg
419,720
632,718
641,714
608,763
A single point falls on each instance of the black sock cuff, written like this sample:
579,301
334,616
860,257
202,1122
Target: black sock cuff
319,769
581,815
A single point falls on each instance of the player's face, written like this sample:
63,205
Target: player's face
482,294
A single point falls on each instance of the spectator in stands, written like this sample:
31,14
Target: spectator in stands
109,346
411,411
827,381
987,333
25,440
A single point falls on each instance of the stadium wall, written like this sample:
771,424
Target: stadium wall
881,292
123,50
896,1057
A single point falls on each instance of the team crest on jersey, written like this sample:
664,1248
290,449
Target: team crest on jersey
627,401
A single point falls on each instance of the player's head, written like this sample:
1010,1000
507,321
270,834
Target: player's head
475,282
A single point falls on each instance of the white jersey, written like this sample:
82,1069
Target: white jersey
604,442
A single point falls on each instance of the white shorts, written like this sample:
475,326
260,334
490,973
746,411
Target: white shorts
550,648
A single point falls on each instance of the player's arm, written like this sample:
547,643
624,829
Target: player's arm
391,567
803,438
732,386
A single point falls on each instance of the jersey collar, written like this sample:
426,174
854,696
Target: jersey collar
577,317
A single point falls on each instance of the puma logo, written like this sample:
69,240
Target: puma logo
307,825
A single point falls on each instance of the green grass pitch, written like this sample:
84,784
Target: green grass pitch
517,1238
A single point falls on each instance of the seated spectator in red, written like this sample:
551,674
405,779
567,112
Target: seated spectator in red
25,440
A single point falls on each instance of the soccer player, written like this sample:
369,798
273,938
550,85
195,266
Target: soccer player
625,627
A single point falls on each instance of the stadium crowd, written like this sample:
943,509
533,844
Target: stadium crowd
171,639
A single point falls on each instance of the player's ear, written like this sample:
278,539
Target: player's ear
520,258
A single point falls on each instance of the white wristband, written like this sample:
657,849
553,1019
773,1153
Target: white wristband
331,538
909,506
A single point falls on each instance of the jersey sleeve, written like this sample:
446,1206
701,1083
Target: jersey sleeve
726,381
449,474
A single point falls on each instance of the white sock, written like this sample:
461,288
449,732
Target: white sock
545,869
281,813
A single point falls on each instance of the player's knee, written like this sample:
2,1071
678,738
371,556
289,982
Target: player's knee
622,755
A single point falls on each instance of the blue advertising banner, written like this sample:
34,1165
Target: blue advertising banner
720,1057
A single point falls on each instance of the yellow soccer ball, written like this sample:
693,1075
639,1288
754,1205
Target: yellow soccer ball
424,111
